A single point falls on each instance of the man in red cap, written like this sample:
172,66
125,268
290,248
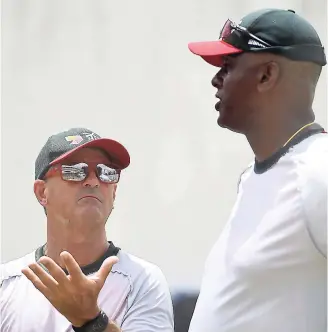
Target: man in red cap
267,271
79,281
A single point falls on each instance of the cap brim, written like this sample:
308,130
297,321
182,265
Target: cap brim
212,51
114,149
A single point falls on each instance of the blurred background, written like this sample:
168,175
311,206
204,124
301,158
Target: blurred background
123,70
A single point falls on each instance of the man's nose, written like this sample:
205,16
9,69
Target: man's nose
91,180
217,80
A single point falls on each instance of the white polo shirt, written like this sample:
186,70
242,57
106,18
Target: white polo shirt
135,295
268,270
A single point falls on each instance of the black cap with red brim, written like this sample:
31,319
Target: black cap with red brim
213,51
112,148
268,30
60,146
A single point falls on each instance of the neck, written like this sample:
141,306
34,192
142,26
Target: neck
265,141
85,248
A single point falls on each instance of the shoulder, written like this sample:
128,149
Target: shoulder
311,164
244,175
146,279
12,269
314,147
137,269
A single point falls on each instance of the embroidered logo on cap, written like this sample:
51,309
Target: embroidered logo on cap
90,136
77,139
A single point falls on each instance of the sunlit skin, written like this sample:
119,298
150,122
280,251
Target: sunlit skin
77,211
76,216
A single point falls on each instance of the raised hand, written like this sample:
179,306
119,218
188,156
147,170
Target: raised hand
74,295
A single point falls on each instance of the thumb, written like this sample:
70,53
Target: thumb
105,269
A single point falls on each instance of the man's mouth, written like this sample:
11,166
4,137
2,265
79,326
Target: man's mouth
217,105
91,196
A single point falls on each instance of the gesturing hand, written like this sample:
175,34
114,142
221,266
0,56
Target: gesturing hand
74,295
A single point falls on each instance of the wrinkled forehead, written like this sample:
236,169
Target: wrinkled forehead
88,155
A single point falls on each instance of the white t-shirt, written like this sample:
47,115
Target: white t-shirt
135,295
268,270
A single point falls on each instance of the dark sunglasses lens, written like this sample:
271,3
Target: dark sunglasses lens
76,172
107,174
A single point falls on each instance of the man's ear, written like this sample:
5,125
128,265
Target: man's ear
40,192
268,76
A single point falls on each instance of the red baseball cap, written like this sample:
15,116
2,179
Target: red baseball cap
212,51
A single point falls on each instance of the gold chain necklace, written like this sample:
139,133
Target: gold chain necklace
298,131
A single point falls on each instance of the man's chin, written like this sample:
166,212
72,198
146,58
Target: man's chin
221,121
228,125
90,215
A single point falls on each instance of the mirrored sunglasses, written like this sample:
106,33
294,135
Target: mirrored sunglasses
79,172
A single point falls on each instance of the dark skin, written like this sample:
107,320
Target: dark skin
265,97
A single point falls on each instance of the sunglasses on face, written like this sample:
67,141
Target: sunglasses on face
79,172
240,37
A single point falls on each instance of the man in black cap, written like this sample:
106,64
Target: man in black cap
267,271
78,280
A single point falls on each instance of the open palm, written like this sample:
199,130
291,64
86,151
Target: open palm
74,295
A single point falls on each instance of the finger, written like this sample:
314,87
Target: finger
72,267
45,277
30,275
56,272
105,269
